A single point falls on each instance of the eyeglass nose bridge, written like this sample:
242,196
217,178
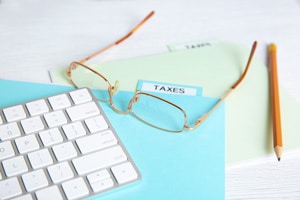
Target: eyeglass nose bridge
112,91
134,99
115,87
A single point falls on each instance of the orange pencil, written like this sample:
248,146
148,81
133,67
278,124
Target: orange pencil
275,102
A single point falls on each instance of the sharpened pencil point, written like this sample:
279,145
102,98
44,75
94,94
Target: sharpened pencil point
278,152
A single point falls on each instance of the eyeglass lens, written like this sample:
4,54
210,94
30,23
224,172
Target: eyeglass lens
84,77
158,113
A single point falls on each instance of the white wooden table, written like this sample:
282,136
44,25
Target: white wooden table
37,36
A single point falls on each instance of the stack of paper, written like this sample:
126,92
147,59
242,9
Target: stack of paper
215,67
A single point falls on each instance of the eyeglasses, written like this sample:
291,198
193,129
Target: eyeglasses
150,109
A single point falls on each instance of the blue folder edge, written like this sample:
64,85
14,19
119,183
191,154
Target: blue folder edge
189,165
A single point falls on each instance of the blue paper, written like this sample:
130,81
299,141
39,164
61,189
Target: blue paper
188,165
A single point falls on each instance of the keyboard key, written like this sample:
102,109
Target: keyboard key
24,197
6,150
10,188
74,130
55,118
10,130
96,124
83,111
60,172
53,190
80,96
40,158
99,175
14,166
14,113
102,184
99,160
37,107
100,180
34,180
33,124
60,101
96,141
75,188
51,136
124,173
64,151
27,143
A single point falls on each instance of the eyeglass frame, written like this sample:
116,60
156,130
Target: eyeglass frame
112,89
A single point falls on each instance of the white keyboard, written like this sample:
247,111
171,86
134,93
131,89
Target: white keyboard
60,147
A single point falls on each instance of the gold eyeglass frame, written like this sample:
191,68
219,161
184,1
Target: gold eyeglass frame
113,88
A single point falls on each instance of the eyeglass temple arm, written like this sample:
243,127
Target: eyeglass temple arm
120,40
206,115
247,66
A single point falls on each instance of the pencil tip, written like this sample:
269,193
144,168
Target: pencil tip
278,159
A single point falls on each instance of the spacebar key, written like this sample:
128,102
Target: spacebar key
99,160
